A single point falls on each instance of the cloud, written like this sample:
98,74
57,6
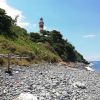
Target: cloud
89,36
93,57
11,11
46,28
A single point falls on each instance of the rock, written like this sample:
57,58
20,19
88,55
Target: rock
5,91
53,91
89,68
16,72
57,94
79,85
26,96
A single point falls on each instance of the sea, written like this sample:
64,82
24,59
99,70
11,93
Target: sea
95,65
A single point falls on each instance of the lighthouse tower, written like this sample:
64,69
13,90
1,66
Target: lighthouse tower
41,24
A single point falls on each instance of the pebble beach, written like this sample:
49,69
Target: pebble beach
50,82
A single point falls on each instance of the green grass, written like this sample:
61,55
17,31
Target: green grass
26,46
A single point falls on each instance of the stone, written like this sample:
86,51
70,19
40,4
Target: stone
79,85
26,96
17,72
89,68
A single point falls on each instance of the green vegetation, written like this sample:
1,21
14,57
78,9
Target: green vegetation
46,46
62,47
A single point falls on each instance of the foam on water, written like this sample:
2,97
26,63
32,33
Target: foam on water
95,65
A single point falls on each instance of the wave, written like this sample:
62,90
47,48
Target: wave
95,65
90,67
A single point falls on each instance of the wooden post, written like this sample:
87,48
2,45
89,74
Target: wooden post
8,62
9,69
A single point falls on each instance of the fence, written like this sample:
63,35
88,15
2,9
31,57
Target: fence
10,56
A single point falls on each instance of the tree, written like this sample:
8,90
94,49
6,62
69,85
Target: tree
55,36
16,18
44,32
35,37
2,12
5,22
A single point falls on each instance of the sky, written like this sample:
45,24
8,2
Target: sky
77,20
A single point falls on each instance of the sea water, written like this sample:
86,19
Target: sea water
95,65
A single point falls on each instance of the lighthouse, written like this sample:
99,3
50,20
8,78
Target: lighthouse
41,24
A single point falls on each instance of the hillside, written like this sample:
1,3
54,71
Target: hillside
23,46
47,46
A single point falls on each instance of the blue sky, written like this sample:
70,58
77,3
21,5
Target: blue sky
77,20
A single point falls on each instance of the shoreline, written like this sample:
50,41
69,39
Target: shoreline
77,65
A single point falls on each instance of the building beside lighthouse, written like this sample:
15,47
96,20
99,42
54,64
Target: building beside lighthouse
41,24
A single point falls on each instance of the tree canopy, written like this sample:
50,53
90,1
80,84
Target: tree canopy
5,21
